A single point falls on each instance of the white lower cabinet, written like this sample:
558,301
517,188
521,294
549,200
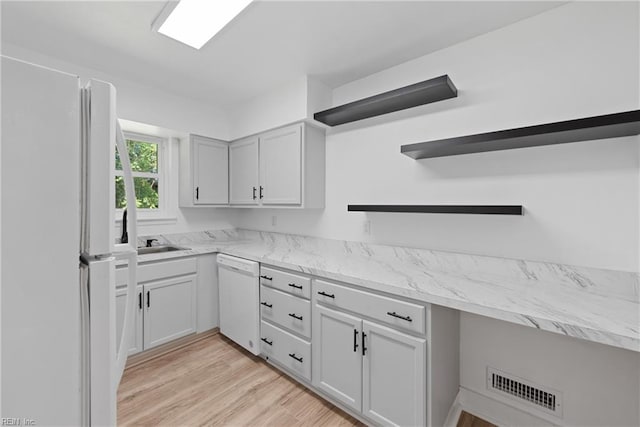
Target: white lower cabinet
288,350
165,302
337,367
121,300
393,376
373,369
285,320
170,310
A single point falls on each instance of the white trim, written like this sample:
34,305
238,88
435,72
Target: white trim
492,410
454,413
143,137
160,220
160,215
140,174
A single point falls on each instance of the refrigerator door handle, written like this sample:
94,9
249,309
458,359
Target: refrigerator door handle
130,253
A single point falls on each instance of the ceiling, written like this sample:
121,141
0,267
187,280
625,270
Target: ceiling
266,46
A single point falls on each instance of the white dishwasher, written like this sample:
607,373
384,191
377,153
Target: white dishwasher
239,298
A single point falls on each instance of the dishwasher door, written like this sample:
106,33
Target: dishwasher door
239,298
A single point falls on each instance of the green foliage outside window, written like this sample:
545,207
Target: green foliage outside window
143,157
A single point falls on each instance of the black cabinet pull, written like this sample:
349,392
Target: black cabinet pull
140,300
355,340
267,277
293,285
364,347
326,295
197,193
267,341
293,356
295,316
266,304
254,193
396,315
148,299
261,190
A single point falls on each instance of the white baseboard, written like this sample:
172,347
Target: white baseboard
491,410
454,413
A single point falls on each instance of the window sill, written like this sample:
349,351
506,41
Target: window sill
153,220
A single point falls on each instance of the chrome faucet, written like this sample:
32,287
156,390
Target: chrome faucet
125,236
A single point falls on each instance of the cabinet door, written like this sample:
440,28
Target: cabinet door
337,357
121,299
281,166
243,163
169,310
394,377
210,171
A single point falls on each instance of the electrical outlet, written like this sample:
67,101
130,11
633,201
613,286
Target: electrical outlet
274,221
367,226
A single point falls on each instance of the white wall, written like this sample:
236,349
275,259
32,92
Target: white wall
581,199
599,385
285,104
140,103
293,102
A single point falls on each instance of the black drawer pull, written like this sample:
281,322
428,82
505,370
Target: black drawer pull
396,315
293,285
364,347
267,341
266,304
326,295
148,299
295,316
293,356
355,340
140,300
267,277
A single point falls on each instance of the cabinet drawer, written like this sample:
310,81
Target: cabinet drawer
288,350
287,282
157,270
400,314
286,310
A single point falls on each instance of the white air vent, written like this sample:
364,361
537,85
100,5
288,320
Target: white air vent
525,392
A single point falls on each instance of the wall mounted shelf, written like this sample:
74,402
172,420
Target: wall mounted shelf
586,129
425,92
441,209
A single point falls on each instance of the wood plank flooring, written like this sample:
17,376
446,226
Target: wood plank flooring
215,382
468,420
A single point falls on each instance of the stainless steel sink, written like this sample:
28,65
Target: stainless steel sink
159,249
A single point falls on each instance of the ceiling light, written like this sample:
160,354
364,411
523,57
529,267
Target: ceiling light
195,22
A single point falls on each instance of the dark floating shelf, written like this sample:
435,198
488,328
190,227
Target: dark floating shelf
442,209
587,129
425,92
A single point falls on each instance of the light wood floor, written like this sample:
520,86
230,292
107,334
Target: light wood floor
215,382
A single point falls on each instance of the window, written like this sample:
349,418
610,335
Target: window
146,155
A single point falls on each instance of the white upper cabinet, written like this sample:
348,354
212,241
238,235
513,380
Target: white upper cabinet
204,172
281,168
243,161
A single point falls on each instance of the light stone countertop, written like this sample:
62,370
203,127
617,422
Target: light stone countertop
587,303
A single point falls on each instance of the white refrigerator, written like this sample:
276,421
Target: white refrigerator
59,363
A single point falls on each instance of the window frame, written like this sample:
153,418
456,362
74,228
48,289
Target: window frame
161,212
